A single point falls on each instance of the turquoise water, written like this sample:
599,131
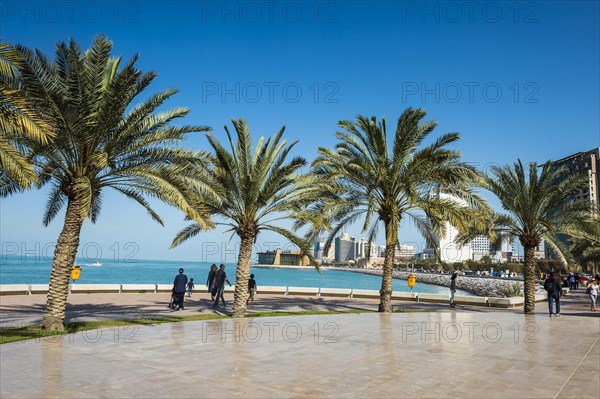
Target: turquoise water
32,270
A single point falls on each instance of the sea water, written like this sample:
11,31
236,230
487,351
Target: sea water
36,270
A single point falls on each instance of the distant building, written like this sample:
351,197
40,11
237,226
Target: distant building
345,248
319,251
376,250
283,258
475,249
482,246
405,252
428,253
540,251
375,262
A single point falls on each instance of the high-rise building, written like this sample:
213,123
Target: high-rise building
345,248
319,251
586,164
450,251
583,164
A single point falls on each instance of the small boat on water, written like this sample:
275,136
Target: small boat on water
95,264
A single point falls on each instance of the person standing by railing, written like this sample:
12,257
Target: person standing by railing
453,288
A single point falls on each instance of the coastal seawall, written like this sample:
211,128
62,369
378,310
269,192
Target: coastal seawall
480,286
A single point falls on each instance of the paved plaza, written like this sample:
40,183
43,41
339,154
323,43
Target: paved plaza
467,352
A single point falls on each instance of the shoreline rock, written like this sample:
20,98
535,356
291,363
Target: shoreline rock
480,286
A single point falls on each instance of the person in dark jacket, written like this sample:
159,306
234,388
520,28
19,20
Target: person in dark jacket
553,287
220,279
453,288
210,281
179,287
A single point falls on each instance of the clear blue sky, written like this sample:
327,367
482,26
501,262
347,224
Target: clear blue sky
517,79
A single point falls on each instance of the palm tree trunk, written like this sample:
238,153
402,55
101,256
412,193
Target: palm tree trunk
64,258
385,302
241,278
529,279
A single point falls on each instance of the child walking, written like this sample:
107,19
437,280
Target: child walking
190,287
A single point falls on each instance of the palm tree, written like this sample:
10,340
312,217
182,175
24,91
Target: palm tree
362,176
536,207
100,142
249,190
586,243
17,120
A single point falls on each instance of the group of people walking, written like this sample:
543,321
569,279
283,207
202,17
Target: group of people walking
216,287
553,286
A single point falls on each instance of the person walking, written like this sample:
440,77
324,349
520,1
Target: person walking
576,281
220,279
251,290
210,281
453,288
179,287
571,281
190,287
592,290
553,287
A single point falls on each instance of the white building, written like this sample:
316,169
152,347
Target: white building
482,246
376,250
477,248
405,252
449,250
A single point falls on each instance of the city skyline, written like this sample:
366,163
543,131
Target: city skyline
506,83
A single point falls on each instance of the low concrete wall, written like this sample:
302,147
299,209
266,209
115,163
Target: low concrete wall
470,300
436,298
506,302
336,292
14,289
38,289
365,294
404,296
138,288
302,291
94,288
266,289
164,287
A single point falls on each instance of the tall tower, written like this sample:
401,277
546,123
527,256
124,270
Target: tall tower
586,164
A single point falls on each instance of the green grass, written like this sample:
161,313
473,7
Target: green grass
37,332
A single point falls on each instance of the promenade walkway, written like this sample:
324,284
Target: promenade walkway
465,352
